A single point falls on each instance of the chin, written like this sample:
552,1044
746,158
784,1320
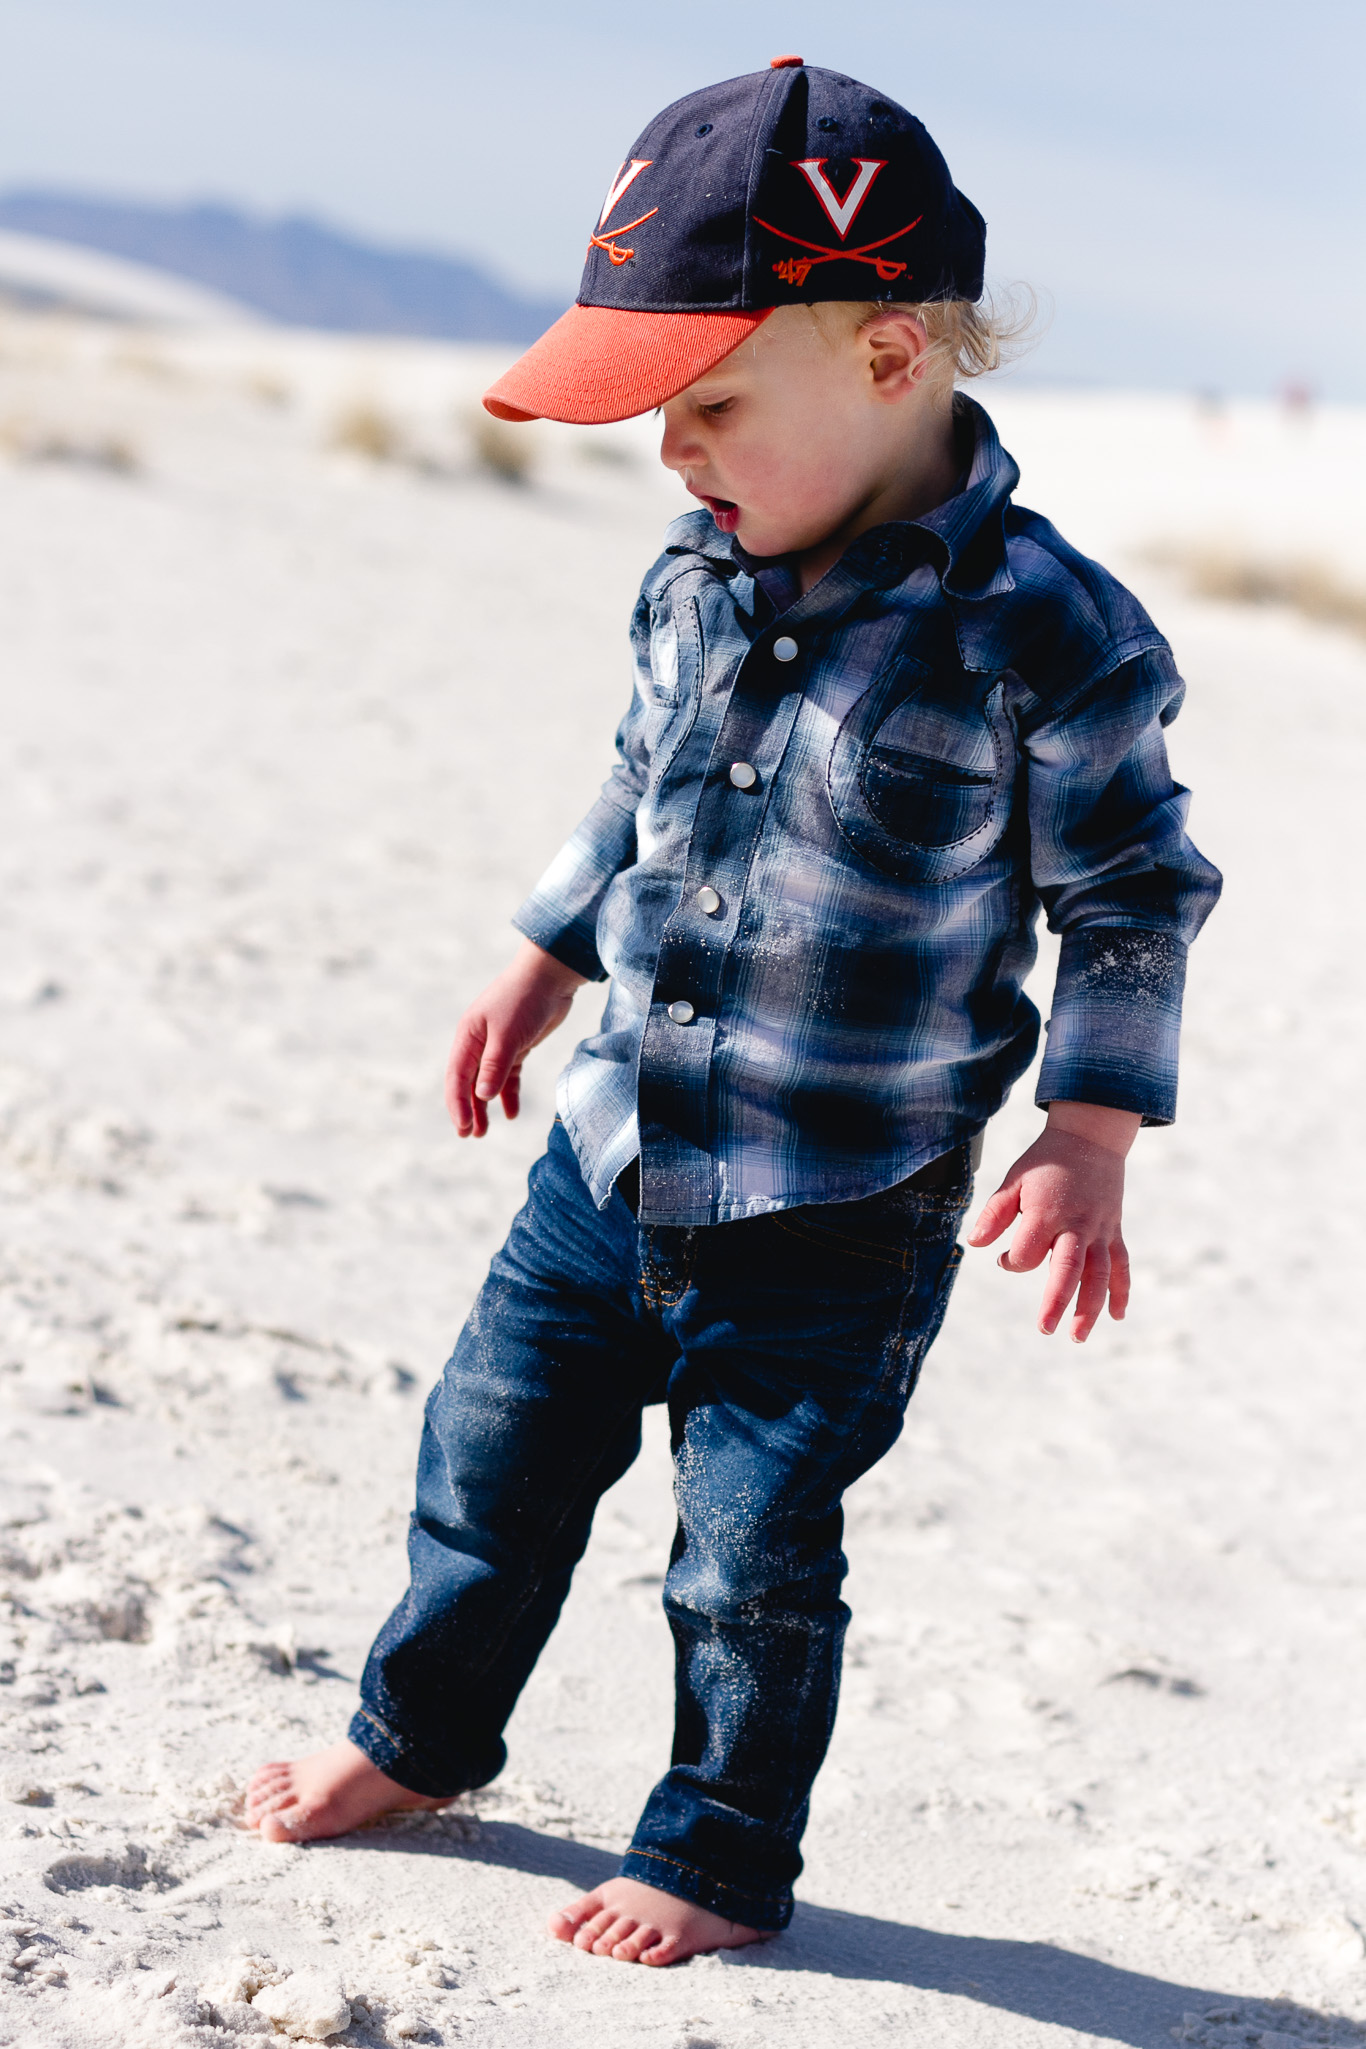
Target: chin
755,541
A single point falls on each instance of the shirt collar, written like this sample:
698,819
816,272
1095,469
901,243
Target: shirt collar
970,526
966,532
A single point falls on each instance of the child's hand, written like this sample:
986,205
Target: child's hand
519,1008
1065,1196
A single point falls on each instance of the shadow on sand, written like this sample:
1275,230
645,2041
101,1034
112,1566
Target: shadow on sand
1033,1979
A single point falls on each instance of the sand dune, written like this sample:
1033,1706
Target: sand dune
290,728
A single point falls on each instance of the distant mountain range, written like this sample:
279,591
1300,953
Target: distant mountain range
294,270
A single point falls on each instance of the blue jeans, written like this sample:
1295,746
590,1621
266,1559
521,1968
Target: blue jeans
786,1347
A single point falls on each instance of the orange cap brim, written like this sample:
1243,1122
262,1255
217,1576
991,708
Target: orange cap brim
600,363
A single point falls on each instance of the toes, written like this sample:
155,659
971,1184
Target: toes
583,1909
631,1948
274,1828
265,1787
269,1789
617,1930
668,1950
565,1924
589,1931
273,1802
268,1776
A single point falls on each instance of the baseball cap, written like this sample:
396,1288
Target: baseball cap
783,187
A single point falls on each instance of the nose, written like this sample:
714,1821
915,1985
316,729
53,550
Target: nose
680,448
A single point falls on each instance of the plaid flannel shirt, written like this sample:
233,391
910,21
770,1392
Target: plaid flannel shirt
814,872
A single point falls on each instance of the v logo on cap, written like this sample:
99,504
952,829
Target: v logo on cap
625,177
841,211
614,250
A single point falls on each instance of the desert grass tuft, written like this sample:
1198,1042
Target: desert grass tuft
606,454
492,448
364,428
500,449
82,449
139,359
1313,589
269,388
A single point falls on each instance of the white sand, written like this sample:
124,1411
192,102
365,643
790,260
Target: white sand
287,737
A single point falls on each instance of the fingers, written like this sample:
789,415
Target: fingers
1033,1239
997,1212
1063,1197
1065,1270
483,1065
512,1092
467,1114
499,1067
519,1008
1095,1283
1090,1272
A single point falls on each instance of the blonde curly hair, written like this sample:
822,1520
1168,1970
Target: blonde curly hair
968,338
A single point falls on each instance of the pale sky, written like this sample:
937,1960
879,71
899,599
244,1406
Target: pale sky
1184,182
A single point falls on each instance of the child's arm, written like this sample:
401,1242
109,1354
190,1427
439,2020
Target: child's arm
558,922
519,1008
1064,1196
1123,886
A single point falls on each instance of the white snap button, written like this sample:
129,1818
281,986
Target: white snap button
743,776
785,649
682,1012
709,900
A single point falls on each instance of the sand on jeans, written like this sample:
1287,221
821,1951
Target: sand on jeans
289,729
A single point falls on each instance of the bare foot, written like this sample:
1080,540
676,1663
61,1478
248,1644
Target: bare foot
327,1794
639,1924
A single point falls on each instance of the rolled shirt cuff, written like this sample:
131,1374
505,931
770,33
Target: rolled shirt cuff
561,913
574,945
1114,1034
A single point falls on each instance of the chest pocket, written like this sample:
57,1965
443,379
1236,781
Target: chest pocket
921,773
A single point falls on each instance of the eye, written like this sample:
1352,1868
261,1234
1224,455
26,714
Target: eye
705,129
716,408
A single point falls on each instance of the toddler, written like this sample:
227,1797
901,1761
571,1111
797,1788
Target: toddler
882,715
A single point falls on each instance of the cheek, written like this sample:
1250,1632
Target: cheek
803,481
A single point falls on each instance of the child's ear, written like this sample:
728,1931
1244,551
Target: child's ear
897,351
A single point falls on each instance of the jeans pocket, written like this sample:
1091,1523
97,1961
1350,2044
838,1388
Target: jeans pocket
926,1305
892,1225
877,1241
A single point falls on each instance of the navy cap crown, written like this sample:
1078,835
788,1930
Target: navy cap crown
784,186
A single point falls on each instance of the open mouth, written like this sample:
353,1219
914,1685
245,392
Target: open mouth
724,511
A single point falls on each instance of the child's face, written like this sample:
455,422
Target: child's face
811,429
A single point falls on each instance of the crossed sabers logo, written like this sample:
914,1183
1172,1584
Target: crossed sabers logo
626,176
795,270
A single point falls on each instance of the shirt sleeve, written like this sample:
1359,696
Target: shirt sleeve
561,913
1122,883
